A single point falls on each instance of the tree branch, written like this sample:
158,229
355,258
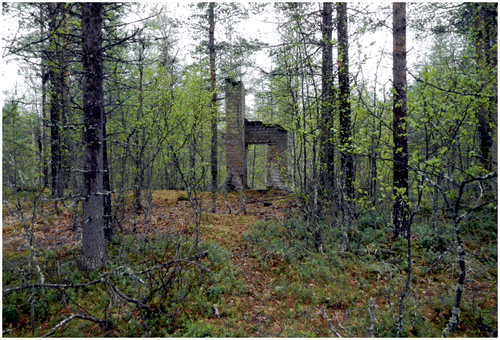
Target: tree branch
117,271
71,317
475,95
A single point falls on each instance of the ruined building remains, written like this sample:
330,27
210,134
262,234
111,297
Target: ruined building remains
241,133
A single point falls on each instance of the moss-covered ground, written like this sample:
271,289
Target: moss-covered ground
264,276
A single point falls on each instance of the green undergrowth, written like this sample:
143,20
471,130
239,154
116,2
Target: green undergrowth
337,280
298,283
176,295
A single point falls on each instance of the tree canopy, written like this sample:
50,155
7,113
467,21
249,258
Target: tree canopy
391,113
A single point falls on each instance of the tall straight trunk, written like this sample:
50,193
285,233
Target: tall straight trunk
59,94
55,104
93,247
485,28
108,228
211,46
346,160
139,177
400,147
327,151
63,60
45,75
401,218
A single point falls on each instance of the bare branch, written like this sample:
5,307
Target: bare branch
118,271
71,317
124,297
329,323
50,286
462,187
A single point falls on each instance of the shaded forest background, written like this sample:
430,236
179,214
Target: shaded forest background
400,172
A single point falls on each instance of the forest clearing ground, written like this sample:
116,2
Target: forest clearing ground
171,213
258,313
276,300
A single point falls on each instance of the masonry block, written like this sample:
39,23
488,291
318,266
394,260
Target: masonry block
241,133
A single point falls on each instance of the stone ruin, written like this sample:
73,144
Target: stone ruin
241,133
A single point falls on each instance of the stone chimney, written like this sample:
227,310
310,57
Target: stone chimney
235,136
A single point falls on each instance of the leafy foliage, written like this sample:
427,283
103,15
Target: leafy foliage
322,264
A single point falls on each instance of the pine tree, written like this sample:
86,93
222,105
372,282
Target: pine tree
327,152
347,166
93,242
400,147
211,47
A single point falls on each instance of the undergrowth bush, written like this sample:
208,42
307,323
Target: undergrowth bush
168,292
375,266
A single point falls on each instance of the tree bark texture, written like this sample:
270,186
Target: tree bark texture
211,46
93,248
327,152
108,228
400,147
55,76
485,32
346,160
43,125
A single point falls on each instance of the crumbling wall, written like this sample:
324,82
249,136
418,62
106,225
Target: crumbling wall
236,161
241,133
277,139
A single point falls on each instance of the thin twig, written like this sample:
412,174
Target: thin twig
124,297
340,325
117,271
71,317
371,308
50,286
329,323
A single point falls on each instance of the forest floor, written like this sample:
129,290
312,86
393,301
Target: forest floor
171,212
273,296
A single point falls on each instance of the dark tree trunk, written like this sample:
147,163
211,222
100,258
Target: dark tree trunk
56,95
346,161
211,46
45,75
485,28
93,248
108,227
400,151
139,178
59,94
327,151
64,88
